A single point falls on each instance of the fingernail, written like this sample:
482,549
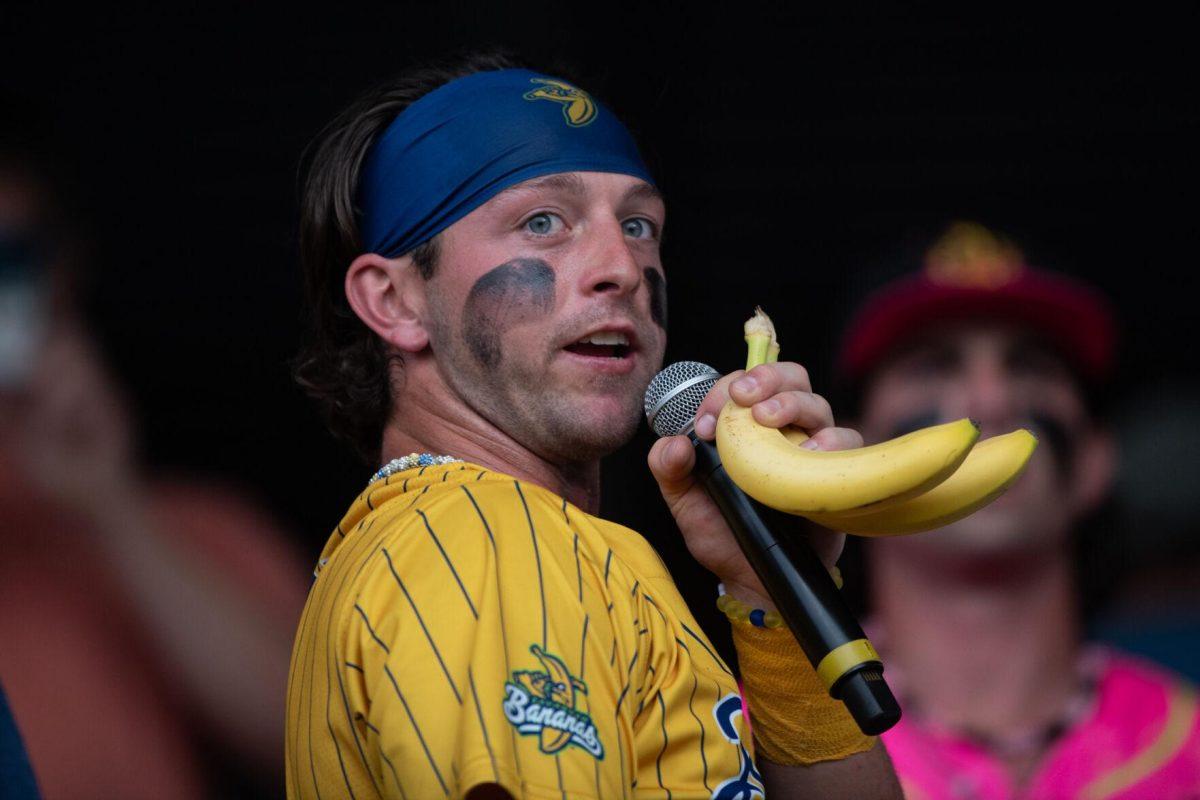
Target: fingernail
706,426
746,384
770,406
810,444
675,451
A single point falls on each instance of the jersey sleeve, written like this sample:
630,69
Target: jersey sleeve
483,650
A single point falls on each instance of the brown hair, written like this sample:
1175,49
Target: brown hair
343,364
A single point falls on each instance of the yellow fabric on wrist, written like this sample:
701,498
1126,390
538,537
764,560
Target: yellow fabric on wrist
794,719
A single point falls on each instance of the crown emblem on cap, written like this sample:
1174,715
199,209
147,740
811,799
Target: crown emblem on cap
578,107
970,255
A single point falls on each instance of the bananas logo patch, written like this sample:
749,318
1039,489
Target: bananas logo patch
578,107
748,785
542,704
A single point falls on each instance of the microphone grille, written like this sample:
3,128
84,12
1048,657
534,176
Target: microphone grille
675,394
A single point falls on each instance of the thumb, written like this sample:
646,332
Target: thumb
671,460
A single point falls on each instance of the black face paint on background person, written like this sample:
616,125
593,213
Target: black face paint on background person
514,292
914,422
658,296
1051,432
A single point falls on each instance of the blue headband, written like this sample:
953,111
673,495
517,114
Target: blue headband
464,142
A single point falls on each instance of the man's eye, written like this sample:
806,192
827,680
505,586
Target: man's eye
544,224
639,228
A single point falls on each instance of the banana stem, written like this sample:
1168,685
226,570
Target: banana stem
762,346
759,347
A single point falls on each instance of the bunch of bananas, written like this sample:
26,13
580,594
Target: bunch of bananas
917,482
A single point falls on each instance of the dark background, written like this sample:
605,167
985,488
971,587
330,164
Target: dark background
801,156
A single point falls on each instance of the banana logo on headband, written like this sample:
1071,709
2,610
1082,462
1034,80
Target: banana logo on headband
578,107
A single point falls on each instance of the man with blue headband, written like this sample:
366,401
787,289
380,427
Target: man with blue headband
481,245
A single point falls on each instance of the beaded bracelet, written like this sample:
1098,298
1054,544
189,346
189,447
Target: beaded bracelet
738,611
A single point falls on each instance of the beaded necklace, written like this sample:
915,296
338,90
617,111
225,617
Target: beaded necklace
409,461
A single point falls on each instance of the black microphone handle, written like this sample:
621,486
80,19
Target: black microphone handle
804,593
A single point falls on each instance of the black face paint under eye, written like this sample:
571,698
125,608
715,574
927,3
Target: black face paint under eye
516,291
914,422
1055,435
1045,427
658,296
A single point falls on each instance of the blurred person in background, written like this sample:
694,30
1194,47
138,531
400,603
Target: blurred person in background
16,778
980,622
145,622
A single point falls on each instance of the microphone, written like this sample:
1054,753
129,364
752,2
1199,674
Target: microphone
803,591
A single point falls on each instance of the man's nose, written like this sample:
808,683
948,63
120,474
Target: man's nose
611,266
991,397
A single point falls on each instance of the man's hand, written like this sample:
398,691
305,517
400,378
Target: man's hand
780,395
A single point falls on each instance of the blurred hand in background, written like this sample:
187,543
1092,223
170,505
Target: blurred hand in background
69,426
145,621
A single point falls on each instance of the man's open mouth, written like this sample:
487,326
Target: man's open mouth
606,344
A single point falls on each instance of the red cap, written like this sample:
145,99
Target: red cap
972,274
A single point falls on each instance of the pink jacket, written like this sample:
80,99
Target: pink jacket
1140,740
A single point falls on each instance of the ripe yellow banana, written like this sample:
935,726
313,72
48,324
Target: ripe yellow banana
560,688
794,435
989,469
774,471
923,480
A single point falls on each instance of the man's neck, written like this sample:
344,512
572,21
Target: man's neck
431,420
988,645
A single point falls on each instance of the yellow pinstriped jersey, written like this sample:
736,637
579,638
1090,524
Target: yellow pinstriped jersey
465,628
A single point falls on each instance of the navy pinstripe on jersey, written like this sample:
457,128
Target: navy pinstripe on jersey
467,628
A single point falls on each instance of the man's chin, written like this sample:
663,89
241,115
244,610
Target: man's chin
593,433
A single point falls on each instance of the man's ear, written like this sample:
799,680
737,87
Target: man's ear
1093,470
388,295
